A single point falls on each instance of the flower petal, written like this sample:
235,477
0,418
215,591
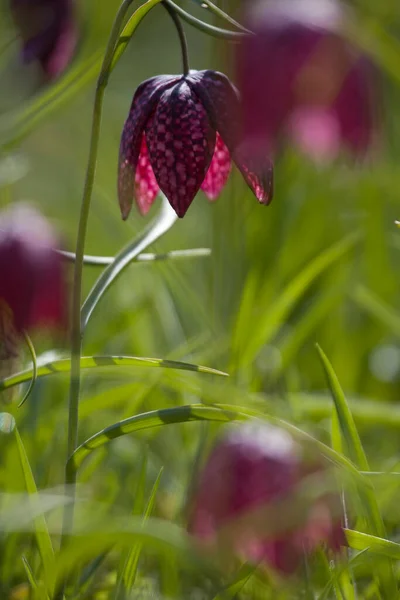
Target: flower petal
218,172
146,186
143,103
181,142
221,100
257,169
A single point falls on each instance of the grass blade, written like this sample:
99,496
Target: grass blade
346,421
42,535
98,363
130,570
154,418
356,451
160,225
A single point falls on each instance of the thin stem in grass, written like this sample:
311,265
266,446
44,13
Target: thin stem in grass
182,37
76,332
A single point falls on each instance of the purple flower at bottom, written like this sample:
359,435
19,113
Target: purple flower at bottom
180,135
249,501
48,31
302,81
32,285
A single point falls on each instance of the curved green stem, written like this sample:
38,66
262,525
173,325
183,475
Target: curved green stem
182,37
34,368
233,36
223,15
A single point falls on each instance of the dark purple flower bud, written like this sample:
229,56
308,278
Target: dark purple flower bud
49,33
180,135
302,81
32,285
249,500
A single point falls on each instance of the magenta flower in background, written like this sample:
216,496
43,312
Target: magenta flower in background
32,287
48,31
253,469
180,135
302,81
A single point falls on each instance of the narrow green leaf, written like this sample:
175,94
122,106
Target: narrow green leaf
130,570
129,29
357,454
160,225
34,369
42,535
381,546
346,421
103,261
154,418
98,363
29,574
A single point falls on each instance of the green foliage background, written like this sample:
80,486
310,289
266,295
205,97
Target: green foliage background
320,265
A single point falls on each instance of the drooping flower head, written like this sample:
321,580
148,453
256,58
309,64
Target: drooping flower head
32,286
302,81
180,135
48,31
249,500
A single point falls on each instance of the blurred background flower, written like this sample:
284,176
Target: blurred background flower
48,33
253,499
302,81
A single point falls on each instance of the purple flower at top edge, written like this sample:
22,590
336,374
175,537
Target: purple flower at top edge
33,291
253,469
48,31
180,135
302,81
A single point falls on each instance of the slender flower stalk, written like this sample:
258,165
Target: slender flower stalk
76,331
182,37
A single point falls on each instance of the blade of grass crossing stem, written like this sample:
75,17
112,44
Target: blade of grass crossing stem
199,412
155,418
100,362
42,535
356,452
130,570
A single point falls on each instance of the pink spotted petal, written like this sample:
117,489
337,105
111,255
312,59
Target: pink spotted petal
257,169
221,100
181,143
143,103
146,186
218,172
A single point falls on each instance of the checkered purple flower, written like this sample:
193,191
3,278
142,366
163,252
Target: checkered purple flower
181,135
